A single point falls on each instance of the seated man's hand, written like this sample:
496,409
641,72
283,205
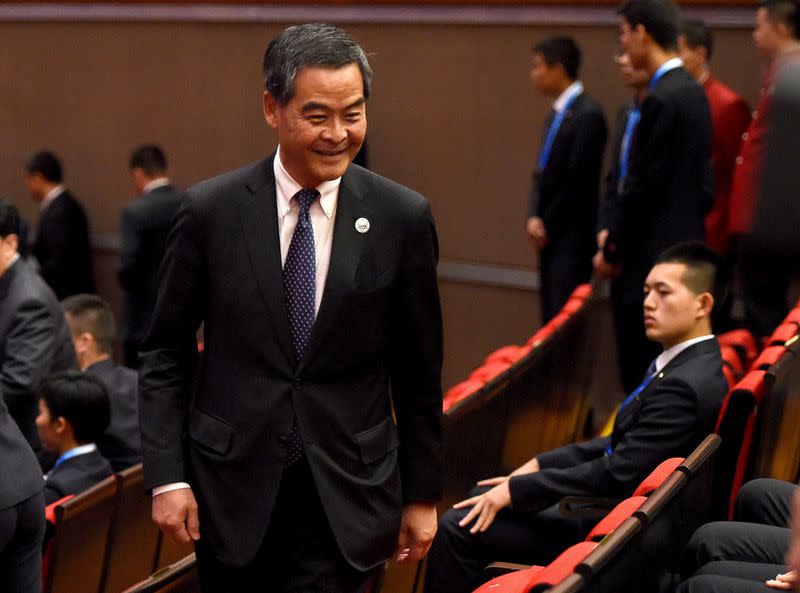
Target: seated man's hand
175,513
417,530
485,507
785,582
537,234
602,267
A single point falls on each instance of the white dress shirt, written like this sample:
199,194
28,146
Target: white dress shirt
155,183
667,355
50,196
323,216
575,89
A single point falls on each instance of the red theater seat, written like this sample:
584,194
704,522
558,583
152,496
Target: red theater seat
583,291
657,476
793,316
733,359
615,518
743,341
489,371
572,305
768,357
782,334
730,376
509,354
459,391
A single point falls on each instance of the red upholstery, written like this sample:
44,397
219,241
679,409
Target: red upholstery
540,336
782,334
583,291
50,516
732,358
657,476
793,316
743,341
459,391
730,377
509,354
615,518
201,346
533,579
768,357
741,463
489,371
753,382
572,305
50,510
557,321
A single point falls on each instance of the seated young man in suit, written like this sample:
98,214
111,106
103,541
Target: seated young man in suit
515,518
94,332
73,414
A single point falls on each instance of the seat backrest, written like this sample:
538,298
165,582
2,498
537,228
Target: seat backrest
615,560
179,577
768,357
133,542
732,358
618,515
77,559
657,476
782,334
743,341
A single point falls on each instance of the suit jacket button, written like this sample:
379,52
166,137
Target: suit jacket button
298,384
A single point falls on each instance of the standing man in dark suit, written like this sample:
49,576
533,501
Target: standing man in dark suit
94,333
563,202
62,239
667,415
146,222
666,186
21,509
316,281
34,337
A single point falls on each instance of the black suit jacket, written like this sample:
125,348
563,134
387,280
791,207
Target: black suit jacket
76,475
145,225
62,247
22,477
565,193
608,203
376,347
669,188
120,443
673,414
34,342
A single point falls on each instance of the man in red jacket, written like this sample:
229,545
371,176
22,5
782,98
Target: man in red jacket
763,286
730,116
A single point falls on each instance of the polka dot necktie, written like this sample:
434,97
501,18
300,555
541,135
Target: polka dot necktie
299,284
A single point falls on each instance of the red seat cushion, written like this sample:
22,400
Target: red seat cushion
512,582
615,518
509,354
730,377
459,391
782,334
793,316
582,291
657,476
731,357
769,356
489,371
572,305
742,340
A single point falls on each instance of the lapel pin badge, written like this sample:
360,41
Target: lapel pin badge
362,225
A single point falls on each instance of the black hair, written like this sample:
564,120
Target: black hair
150,159
560,50
93,315
47,165
81,399
784,12
658,17
697,34
9,219
705,271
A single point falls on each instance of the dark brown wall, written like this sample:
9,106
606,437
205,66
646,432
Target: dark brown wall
453,116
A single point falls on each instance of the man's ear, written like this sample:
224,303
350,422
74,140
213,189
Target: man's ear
270,110
705,305
61,425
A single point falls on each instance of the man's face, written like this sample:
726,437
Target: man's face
632,42
634,78
545,78
139,179
671,309
694,59
35,185
8,249
322,127
766,34
48,428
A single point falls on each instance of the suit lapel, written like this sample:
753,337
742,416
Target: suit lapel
259,216
346,250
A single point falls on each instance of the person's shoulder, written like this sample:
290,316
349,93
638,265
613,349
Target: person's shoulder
219,193
389,195
722,94
700,368
28,287
588,104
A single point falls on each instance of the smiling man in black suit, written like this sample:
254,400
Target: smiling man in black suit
516,518
316,282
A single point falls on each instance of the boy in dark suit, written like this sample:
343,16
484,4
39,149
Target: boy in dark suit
73,414
563,203
673,409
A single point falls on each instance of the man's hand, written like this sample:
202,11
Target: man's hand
528,467
417,529
601,239
537,234
175,513
793,557
602,267
784,582
485,507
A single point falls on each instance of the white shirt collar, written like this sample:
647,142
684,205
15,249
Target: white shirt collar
156,183
575,89
288,187
52,195
670,353
670,64
13,260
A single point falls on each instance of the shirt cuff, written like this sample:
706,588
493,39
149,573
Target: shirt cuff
169,488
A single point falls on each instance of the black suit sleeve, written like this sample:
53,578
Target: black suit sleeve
650,164
573,454
662,427
585,159
609,202
416,362
169,352
130,251
28,351
64,236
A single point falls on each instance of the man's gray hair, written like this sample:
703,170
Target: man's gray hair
309,46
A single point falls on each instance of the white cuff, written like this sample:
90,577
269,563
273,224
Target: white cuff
169,487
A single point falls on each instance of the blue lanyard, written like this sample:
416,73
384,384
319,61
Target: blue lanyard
634,115
629,399
547,147
662,70
66,456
